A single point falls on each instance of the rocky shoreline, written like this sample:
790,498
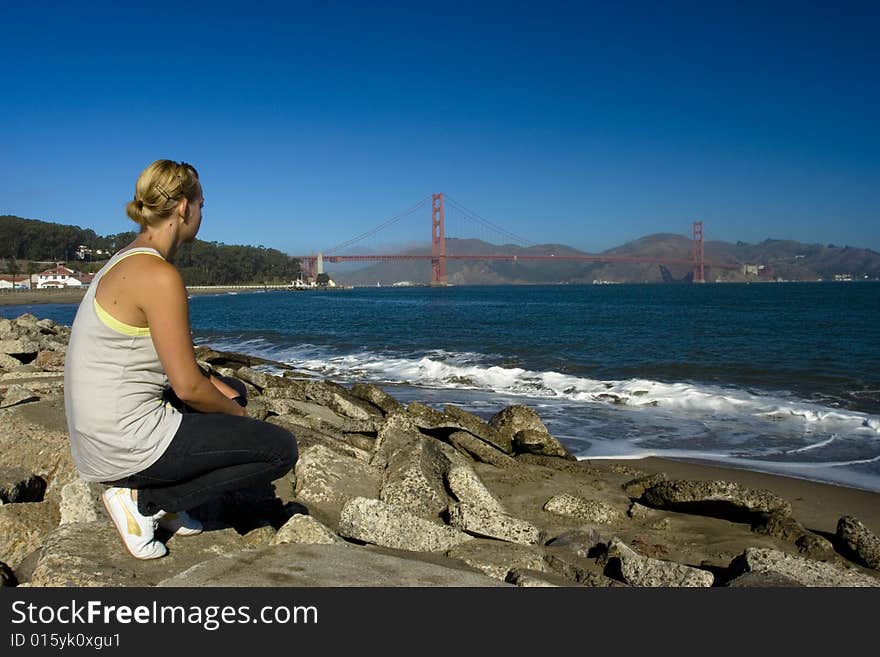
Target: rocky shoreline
390,495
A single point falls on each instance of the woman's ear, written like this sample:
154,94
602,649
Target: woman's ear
182,208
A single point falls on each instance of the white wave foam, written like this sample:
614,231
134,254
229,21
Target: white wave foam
459,371
822,443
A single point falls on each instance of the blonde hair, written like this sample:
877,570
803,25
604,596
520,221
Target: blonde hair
159,189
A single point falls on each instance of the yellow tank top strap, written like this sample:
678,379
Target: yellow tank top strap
120,327
132,252
109,320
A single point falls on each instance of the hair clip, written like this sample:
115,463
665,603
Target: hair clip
162,191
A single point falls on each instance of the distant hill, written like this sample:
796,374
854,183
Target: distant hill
205,263
28,245
770,260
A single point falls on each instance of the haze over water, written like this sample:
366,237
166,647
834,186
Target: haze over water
780,378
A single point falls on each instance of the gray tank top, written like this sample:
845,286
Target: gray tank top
113,383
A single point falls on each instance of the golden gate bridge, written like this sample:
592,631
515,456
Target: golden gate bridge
313,264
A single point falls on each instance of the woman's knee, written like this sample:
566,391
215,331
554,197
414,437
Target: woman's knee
286,449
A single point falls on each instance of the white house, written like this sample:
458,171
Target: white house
8,282
60,277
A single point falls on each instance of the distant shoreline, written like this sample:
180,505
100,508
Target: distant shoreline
29,297
73,295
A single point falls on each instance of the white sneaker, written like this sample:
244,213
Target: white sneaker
180,523
135,529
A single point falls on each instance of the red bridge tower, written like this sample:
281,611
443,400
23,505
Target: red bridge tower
699,276
438,241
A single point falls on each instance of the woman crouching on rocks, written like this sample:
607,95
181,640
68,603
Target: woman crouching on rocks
142,415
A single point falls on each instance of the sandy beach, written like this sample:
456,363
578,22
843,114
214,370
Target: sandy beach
817,505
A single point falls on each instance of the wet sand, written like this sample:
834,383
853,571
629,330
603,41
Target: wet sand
818,506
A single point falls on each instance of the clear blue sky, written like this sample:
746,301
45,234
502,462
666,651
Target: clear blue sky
574,123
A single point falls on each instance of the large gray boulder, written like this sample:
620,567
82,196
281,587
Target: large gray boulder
859,541
19,485
306,437
762,580
33,383
232,360
304,529
498,559
340,400
454,419
788,528
572,506
7,576
804,572
18,394
80,502
398,432
27,321
51,360
321,418
531,441
528,578
45,325
24,528
374,521
635,488
413,479
91,554
308,414
511,420
8,329
7,362
636,570
378,398
257,408
302,565
477,427
22,349
34,437
480,450
578,541
259,536
720,499
578,570
326,480
503,526
275,387
467,488
425,417
480,513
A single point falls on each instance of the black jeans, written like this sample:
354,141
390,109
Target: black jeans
211,454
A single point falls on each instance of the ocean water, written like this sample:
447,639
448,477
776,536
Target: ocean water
779,378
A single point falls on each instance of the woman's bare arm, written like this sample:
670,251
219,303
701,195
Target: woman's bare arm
163,299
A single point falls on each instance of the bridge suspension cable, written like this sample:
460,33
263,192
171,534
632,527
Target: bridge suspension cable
473,216
370,233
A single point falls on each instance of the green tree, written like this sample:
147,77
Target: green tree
200,263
